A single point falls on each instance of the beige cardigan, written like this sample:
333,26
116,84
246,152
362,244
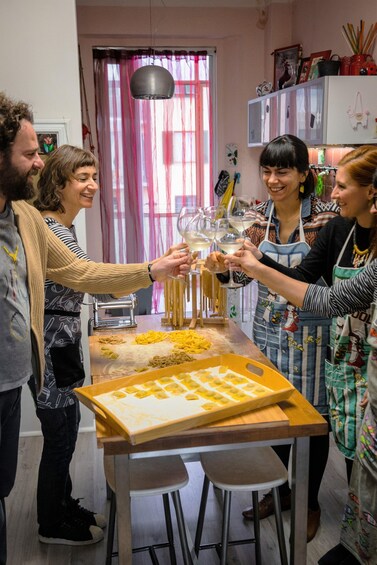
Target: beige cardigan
47,257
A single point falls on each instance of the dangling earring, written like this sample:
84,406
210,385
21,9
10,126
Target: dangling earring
302,188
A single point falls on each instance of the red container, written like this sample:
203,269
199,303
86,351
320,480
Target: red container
345,66
357,61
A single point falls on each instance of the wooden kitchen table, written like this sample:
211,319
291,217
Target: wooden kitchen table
298,421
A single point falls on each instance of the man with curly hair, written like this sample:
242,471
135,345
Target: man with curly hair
30,253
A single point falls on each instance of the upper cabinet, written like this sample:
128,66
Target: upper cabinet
331,110
263,119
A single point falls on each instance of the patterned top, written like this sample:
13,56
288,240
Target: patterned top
62,332
295,342
314,212
315,215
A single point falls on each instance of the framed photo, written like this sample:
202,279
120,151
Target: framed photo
285,64
312,71
302,70
50,134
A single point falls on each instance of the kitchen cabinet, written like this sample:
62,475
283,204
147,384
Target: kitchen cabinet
263,119
331,110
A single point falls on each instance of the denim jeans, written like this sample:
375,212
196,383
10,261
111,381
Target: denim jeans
60,428
10,413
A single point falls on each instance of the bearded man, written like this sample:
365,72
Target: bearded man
30,253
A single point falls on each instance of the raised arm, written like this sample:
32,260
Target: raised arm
347,296
291,289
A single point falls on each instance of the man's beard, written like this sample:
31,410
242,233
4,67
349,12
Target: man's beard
13,184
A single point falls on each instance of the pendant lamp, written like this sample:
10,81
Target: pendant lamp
151,82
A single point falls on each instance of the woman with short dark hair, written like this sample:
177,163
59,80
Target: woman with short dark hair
285,228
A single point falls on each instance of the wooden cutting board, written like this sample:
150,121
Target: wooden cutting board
269,416
132,356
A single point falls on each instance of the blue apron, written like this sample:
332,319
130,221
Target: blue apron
295,341
346,370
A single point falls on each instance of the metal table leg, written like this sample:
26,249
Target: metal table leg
122,489
299,515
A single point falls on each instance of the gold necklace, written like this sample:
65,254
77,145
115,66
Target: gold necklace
359,257
358,251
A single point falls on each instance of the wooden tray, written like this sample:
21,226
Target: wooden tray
279,389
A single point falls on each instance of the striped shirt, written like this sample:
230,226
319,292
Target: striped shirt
62,326
346,296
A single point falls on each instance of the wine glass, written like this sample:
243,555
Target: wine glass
186,214
240,212
189,226
230,240
199,233
210,215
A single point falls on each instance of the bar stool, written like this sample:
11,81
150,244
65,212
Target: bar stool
149,477
250,469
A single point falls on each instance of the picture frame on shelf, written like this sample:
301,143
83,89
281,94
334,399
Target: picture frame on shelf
302,70
51,134
312,71
286,60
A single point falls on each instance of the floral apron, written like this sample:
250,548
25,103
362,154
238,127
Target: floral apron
359,523
295,341
346,367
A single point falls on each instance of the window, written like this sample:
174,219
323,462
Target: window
160,152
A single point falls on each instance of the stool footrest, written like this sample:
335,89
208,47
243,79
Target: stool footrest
233,542
150,548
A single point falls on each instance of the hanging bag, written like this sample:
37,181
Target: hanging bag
222,183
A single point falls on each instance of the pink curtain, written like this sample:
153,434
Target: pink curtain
155,156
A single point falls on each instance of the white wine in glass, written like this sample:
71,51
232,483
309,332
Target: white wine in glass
240,212
196,239
230,240
188,226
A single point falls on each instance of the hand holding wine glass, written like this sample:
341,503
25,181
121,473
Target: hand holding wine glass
230,240
194,228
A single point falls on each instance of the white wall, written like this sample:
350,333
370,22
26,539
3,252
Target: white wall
39,64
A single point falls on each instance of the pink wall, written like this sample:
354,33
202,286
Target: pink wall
243,58
317,24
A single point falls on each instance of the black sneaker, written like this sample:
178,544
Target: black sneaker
74,532
86,516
